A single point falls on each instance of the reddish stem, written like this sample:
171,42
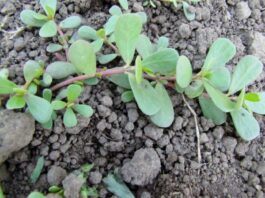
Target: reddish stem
65,43
60,57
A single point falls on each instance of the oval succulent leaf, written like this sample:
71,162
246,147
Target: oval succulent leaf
145,96
97,45
16,102
104,59
58,105
4,73
49,29
120,80
6,86
220,78
246,125
124,4
32,70
240,99
162,62
144,46
127,31
27,17
71,22
49,6
82,56
36,195
220,53
259,106
69,118
47,94
87,33
165,116
84,110
60,69
39,108
220,99
127,96
143,17
109,27
252,97
183,72
162,43
195,89
73,92
52,47
189,15
211,111
115,10
247,70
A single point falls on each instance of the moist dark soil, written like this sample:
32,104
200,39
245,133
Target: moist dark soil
230,167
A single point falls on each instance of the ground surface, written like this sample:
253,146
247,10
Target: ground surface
230,167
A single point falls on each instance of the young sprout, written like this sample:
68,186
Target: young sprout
70,106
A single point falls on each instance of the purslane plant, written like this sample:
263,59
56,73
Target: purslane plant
149,68
184,3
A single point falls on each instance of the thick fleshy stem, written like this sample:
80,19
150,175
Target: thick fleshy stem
65,43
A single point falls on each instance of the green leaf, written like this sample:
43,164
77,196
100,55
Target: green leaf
252,97
15,102
220,53
4,73
33,88
144,46
220,100
162,62
143,17
27,17
69,118
145,96
84,110
195,89
240,99
87,33
6,86
32,70
162,43
165,116
178,88
82,56
49,7
189,15
91,81
115,10
124,4
183,72
246,125
43,114
138,70
58,105
46,80
39,16
54,189
109,27
211,111
259,106
247,70
36,195
104,59
101,33
127,96
48,125
73,92
47,94
37,170
49,29
52,47
1,193
115,185
71,22
60,69
220,78
120,80
127,31
97,45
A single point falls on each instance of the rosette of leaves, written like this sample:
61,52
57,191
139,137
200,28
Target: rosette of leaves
24,96
46,21
71,107
221,91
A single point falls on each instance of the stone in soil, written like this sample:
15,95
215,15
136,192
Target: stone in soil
16,132
143,168
72,185
257,47
56,175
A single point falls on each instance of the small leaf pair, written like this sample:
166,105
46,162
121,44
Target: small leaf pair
73,92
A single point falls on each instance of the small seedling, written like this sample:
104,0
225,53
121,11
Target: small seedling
148,70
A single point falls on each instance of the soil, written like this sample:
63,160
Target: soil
230,167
